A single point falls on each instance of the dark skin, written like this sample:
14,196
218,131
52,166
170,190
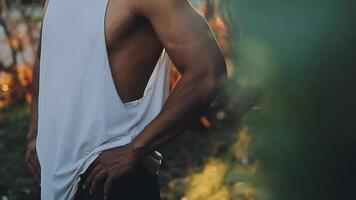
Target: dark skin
140,30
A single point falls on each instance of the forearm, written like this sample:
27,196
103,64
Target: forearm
32,133
191,95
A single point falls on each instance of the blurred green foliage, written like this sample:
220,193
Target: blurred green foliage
16,180
301,54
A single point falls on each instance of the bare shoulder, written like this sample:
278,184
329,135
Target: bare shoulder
183,31
160,3
149,7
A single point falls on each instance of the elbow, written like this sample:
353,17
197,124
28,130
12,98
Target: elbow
217,78
212,80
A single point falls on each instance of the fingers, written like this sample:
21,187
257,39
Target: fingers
34,166
37,168
107,187
91,175
33,173
37,177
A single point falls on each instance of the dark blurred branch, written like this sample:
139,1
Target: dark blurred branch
5,9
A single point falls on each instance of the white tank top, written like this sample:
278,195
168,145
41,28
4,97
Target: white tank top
80,113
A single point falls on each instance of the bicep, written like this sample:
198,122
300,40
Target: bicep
184,33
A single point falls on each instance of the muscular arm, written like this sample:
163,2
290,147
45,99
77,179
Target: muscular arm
31,153
32,133
194,50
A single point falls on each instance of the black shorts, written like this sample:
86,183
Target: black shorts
137,184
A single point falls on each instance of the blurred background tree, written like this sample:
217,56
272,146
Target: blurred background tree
19,25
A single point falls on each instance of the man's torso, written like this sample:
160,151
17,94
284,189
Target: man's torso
133,49
80,115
